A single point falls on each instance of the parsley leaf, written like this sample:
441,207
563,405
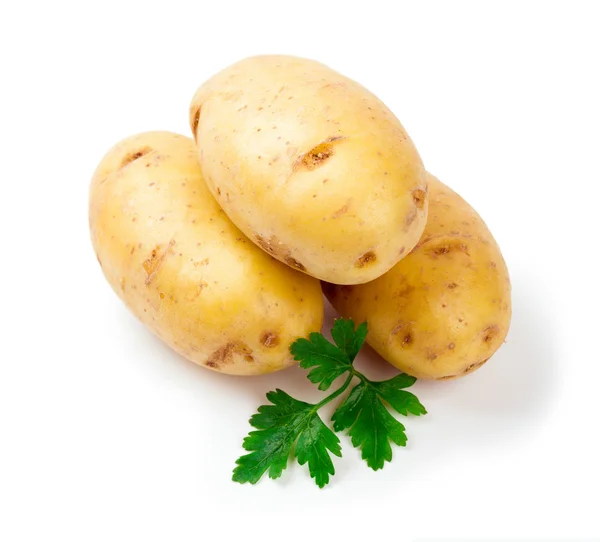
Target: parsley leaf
371,426
312,447
346,338
401,401
279,426
329,361
289,426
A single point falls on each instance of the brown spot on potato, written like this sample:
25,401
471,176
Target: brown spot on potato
399,326
135,155
196,120
224,355
450,247
407,339
451,346
276,248
263,243
218,191
431,356
401,251
474,366
342,210
269,339
339,84
419,198
404,291
410,217
317,156
155,260
292,262
452,285
490,332
366,259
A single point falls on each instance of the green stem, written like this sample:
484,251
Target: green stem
337,392
361,376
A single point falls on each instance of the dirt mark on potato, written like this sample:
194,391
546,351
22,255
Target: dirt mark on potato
276,248
465,371
154,262
292,262
404,330
419,198
342,210
270,339
135,155
473,366
224,355
318,155
452,246
490,332
196,120
366,259
410,217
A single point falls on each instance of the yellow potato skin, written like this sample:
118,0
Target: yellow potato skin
310,166
443,310
180,265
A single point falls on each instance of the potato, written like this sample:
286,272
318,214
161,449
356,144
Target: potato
444,309
182,267
311,166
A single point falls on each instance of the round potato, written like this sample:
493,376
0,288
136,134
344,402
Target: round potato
444,309
182,267
310,166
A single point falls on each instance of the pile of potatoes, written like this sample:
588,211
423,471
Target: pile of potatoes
297,181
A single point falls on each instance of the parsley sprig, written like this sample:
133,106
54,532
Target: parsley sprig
288,425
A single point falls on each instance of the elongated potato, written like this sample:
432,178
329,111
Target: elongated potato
182,267
444,309
311,166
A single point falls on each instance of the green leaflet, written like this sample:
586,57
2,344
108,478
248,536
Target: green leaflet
329,361
279,426
347,339
370,425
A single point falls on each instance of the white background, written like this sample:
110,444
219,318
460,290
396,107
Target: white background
107,435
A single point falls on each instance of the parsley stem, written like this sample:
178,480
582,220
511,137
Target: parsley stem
337,392
361,376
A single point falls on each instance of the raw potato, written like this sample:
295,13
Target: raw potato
444,309
182,267
311,166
